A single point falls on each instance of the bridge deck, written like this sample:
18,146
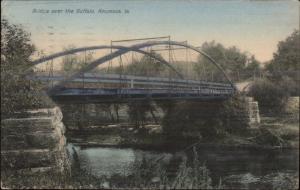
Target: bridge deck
123,95
132,80
113,87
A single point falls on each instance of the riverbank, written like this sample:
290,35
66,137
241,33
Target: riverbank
233,169
273,133
188,123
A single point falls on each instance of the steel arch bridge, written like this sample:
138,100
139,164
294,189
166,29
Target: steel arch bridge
133,87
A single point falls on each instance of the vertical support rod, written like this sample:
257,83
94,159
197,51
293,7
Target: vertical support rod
131,83
120,71
186,60
51,72
83,72
169,47
110,61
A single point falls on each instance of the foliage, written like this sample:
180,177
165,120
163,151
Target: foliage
195,177
268,137
271,96
111,110
17,92
238,65
146,66
137,111
75,62
285,64
287,56
207,120
252,69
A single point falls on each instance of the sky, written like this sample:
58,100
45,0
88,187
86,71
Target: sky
252,26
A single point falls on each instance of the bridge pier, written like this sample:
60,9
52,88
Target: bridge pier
253,110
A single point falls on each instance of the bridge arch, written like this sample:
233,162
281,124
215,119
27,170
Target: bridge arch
76,50
122,50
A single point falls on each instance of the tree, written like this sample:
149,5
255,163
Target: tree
17,92
74,62
252,68
207,120
146,66
286,62
16,48
287,56
204,68
238,65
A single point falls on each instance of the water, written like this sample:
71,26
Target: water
233,166
110,161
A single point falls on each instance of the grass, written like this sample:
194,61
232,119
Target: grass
284,127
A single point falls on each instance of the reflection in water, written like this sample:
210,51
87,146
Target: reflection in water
109,161
233,166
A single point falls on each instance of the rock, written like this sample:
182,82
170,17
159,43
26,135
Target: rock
155,180
242,178
281,180
113,126
105,185
155,131
34,143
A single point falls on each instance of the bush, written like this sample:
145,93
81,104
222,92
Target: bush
290,85
271,97
207,120
137,111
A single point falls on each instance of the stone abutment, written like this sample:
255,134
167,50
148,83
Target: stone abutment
34,141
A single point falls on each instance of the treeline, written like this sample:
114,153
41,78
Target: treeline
237,65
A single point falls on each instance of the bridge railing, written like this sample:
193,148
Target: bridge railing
125,81
144,92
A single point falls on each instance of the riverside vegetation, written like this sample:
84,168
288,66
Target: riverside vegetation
147,174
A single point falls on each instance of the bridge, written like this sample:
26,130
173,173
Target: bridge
86,85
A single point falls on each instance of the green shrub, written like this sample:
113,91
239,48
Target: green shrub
206,120
271,96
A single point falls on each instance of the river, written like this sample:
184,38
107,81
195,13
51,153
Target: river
237,168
